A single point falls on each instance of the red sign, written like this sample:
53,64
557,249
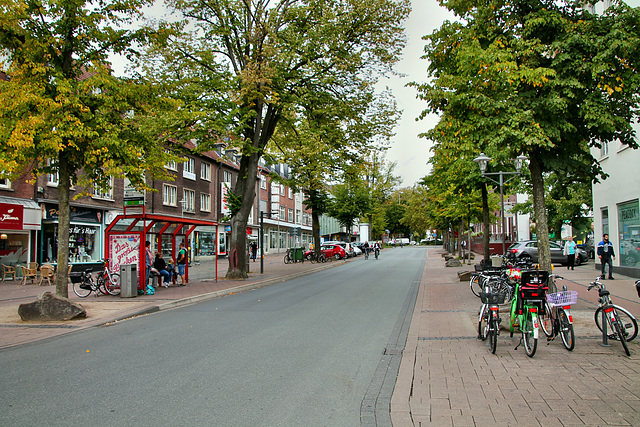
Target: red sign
249,230
11,216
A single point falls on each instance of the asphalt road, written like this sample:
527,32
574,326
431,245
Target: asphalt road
301,353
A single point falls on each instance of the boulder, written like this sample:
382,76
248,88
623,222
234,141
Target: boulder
447,257
464,276
453,262
51,307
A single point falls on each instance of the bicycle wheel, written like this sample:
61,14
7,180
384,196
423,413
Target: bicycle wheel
530,343
475,285
483,322
287,259
493,335
83,291
546,320
623,336
629,323
566,330
112,287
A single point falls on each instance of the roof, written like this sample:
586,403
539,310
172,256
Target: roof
27,203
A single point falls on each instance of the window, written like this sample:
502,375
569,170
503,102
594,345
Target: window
169,193
275,189
298,216
605,220
52,178
5,183
226,177
170,165
290,218
290,193
604,150
188,200
283,211
189,169
106,194
205,202
205,171
282,193
263,182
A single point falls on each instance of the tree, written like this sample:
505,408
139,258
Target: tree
539,77
63,112
350,201
274,57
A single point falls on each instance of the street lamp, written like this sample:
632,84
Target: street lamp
262,214
482,160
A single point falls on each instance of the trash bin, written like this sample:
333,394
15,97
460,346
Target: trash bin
128,281
298,254
496,261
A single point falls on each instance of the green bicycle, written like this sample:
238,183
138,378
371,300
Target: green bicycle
528,303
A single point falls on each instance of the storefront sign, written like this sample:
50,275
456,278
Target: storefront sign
76,214
11,216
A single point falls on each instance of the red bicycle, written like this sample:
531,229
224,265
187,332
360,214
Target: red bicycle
108,280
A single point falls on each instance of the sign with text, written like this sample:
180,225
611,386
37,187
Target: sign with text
11,216
124,249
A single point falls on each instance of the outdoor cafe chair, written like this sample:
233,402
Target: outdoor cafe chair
8,270
29,273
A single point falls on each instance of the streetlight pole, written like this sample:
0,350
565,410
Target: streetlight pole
482,161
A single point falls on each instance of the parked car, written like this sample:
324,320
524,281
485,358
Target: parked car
528,250
329,250
346,246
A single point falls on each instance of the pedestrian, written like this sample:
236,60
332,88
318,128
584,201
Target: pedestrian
254,251
148,256
606,255
570,252
182,262
160,265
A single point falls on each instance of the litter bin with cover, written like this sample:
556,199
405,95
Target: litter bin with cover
128,281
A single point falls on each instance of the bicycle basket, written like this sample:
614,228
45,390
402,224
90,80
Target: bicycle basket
76,277
493,297
562,298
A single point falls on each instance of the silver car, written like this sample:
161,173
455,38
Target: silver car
528,250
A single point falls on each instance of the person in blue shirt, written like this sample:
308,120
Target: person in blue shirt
570,252
606,255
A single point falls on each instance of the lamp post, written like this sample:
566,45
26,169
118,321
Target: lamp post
262,214
482,160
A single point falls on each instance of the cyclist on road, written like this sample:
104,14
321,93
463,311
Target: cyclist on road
366,249
376,248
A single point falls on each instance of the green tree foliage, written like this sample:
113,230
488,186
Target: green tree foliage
273,59
350,201
537,77
63,112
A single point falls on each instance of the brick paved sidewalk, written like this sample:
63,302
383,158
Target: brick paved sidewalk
448,377
106,309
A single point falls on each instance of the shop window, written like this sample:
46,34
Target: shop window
188,200
273,239
106,194
205,202
169,193
205,171
189,169
629,227
605,221
84,243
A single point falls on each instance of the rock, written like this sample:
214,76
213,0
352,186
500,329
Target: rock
453,262
51,307
447,257
464,276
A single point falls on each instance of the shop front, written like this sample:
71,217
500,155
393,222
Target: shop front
19,222
85,234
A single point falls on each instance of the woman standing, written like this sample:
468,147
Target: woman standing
570,252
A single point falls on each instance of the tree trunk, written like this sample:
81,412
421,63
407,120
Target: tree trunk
64,184
316,232
245,189
486,223
460,228
540,212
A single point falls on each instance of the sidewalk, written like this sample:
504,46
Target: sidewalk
448,377
106,309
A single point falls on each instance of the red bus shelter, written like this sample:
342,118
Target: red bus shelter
125,237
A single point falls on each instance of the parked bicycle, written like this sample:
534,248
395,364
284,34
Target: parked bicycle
556,318
83,284
528,303
313,258
621,325
489,318
499,280
108,280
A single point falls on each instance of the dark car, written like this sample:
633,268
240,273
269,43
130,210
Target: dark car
528,250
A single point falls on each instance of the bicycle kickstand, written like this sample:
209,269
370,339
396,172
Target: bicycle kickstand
520,342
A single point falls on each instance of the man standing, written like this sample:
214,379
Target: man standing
606,255
182,261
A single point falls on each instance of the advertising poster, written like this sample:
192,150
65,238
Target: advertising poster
124,249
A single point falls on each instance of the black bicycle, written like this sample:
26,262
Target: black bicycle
622,326
83,284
